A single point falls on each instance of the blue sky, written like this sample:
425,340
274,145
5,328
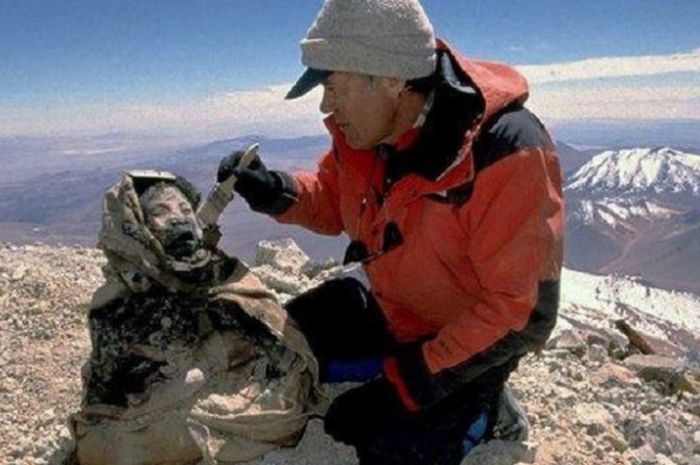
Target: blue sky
67,63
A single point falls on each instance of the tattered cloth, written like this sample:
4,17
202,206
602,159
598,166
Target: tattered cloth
218,392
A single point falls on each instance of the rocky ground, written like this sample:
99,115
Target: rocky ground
586,407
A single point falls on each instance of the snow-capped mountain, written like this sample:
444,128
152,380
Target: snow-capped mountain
638,171
637,212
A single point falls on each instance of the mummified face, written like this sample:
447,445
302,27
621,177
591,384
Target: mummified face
172,220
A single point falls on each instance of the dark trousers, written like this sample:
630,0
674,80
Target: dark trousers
342,322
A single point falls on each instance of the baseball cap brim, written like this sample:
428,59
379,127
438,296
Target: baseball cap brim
307,81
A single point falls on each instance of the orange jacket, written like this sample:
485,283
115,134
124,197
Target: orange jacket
471,274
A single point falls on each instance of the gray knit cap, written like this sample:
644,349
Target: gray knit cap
391,38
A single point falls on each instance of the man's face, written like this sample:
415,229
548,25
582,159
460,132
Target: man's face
170,217
363,108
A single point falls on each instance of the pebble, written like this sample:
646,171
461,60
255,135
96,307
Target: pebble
597,353
661,459
18,273
644,455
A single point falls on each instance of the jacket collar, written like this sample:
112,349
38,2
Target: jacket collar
456,106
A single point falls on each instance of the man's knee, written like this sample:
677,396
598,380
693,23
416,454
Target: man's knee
341,320
346,293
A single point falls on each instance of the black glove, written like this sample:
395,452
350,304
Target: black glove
266,191
420,389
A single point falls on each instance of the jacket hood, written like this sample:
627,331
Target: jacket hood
499,84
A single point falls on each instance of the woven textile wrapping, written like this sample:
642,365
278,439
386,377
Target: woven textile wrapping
225,375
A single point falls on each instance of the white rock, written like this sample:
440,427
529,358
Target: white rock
194,377
284,255
48,416
644,455
616,440
499,452
354,271
597,353
612,375
19,273
566,396
313,267
594,417
664,460
569,340
281,281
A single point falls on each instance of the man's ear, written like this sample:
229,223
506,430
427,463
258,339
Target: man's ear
393,86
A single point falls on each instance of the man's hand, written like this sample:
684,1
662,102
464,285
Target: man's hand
229,163
266,191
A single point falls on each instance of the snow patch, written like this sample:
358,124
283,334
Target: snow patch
613,211
586,297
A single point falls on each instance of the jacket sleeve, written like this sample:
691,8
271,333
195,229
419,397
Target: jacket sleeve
515,221
318,203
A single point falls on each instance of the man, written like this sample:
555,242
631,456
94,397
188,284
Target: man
450,192
192,358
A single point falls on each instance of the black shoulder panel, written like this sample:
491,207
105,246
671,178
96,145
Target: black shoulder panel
515,128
